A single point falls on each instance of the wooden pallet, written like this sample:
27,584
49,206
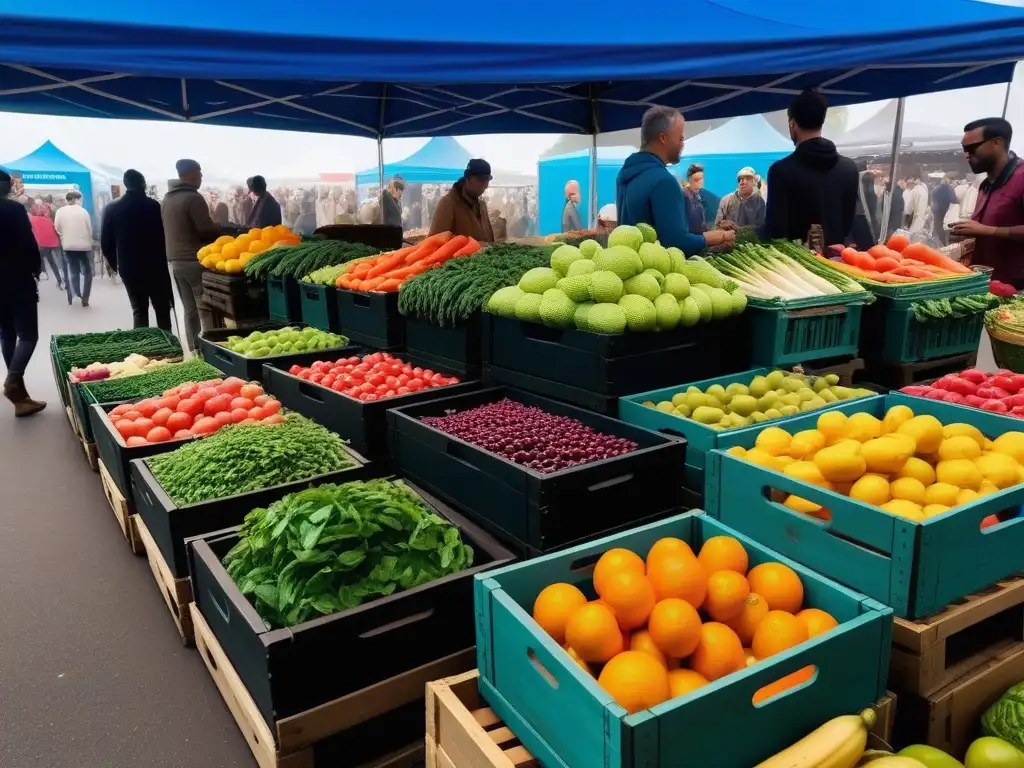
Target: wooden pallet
930,653
127,521
177,593
905,374
291,744
844,368
463,732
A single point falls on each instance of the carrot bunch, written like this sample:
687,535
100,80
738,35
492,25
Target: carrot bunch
387,271
899,261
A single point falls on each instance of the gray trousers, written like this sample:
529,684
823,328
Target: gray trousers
188,277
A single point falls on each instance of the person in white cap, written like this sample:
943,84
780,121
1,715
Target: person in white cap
607,219
744,207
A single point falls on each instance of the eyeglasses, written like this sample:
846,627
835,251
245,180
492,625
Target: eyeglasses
970,149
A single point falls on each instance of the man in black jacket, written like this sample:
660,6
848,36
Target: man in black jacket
20,267
815,184
391,202
266,211
133,245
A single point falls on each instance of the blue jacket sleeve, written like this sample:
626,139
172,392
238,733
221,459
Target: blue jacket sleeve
669,212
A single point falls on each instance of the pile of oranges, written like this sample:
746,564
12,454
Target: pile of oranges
668,625
229,254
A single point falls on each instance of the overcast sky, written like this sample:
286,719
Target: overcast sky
235,153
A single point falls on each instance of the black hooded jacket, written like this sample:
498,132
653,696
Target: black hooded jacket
814,185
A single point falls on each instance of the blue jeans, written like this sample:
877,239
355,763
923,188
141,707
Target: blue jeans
79,263
19,326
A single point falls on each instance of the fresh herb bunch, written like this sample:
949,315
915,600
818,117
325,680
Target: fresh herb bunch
930,310
329,548
299,260
248,457
79,350
150,384
452,293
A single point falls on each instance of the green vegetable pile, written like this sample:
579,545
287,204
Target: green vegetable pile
299,260
452,293
325,275
79,350
150,384
930,310
1009,316
329,548
241,458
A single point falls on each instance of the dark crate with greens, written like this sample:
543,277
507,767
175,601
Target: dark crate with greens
232,363
415,608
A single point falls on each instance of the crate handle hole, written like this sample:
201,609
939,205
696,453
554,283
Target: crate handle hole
310,391
671,432
805,509
610,482
785,686
360,300
209,656
995,522
403,622
585,564
544,672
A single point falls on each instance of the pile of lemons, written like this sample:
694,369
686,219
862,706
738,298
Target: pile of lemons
908,465
230,254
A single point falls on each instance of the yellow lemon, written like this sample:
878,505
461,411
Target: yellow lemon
774,440
941,493
254,233
851,447
737,450
959,429
245,258
919,469
908,488
232,266
779,463
1010,443
832,424
959,447
760,457
904,508
229,251
223,240
998,468
894,417
987,488
908,443
203,252
808,472
885,455
215,248
220,265
839,465
963,473
242,242
926,431
798,504
863,426
966,496
987,445
806,443
871,489
934,509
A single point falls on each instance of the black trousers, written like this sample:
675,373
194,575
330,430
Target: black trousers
144,290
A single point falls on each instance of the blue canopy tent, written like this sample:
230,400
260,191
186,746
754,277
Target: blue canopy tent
554,172
49,166
440,161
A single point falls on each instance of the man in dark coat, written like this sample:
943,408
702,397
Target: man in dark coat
266,211
133,244
20,266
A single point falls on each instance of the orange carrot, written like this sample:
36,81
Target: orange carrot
469,248
912,272
922,252
370,284
362,269
389,286
446,251
354,283
428,246
344,280
387,262
401,273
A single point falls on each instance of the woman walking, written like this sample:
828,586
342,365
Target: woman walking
74,226
48,241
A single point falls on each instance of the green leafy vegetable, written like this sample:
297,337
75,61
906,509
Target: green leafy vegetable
79,350
329,548
930,310
151,384
299,260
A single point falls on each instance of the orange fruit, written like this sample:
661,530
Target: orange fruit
719,652
594,633
614,561
637,681
727,592
642,641
779,585
789,681
553,607
674,626
778,632
257,246
682,681
749,656
255,233
723,553
817,621
630,595
668,546
682,577
579,662
754,610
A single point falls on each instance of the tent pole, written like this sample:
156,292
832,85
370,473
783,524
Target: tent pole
897,137
1006,101
592,218
380,176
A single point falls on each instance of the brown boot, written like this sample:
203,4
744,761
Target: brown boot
14,390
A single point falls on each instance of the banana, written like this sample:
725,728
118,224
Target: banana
839,743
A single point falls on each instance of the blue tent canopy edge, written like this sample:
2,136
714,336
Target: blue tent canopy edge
48,165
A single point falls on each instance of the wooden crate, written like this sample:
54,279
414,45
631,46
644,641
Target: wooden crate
177,593
902,375
292,743
950,718
127,521
463,732
930,653
91,455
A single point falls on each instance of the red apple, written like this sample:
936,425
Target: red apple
915,390
963,386
945,381
1003,382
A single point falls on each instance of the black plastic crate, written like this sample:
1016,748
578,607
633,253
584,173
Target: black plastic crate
287,671
458,347
170,524
236,296
251,368
584,398
371,318
387,237
319,306
615,364
363,424
528,508
284,300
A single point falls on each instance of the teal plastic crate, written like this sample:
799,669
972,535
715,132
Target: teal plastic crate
566,719
701,439
319,306
916,568
805,329
284,302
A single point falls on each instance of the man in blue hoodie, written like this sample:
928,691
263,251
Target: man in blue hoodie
647,192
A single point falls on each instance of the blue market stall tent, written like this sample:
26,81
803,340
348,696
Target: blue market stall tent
554,172
440,161
49,166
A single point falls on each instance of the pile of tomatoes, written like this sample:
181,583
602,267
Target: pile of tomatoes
193,410
373,377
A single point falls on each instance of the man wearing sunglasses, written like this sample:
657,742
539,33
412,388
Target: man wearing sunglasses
997,224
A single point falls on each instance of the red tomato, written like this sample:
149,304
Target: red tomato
304,374
294,369
117,411
232,384
272,406
242,402
368,397
316,378
132,415
181,434
238,415
193,406
339,386
257,413
178,421
328,380
415,384
223,418
134,441
217,404
403,390
252,391
146,407
125,428
187,390
158,435
206,393
161,416
143,425
261,400
274,418
389,393
417,371
205,426
168,401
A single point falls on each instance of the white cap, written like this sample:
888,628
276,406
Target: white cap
608,213
746,171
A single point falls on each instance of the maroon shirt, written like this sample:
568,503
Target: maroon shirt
1001,204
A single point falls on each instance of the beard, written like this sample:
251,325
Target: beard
674,157
980,165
